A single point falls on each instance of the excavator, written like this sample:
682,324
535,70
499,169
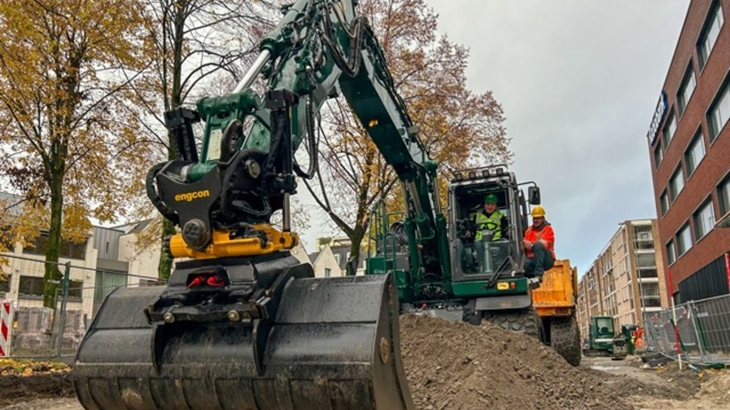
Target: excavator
243,324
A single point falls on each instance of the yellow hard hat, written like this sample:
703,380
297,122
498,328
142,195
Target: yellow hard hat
538,211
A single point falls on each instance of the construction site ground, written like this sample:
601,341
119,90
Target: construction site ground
456,366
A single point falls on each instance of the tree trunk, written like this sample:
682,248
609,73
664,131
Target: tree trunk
178,15
354,261
52,274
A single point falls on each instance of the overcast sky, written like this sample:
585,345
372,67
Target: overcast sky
578,81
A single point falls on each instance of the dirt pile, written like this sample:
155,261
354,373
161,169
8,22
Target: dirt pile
716,388
17,389
456,366
22,380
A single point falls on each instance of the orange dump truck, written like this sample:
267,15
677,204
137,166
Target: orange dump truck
554,302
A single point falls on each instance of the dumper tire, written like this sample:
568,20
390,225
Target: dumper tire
523,321
565,339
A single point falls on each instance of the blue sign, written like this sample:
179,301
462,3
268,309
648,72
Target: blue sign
661,109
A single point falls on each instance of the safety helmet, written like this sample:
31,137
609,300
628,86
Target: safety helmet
538,212
490,199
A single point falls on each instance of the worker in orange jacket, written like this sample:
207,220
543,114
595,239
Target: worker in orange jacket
539,244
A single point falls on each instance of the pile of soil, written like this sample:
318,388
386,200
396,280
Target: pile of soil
717,389
456,366
17,389
23,380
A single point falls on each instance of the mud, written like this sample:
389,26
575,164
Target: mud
19,389
456,366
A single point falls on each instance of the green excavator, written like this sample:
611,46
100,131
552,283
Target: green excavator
242,324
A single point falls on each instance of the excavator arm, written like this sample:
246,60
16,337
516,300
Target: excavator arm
242,323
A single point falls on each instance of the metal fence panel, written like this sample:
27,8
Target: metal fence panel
36,331
702,332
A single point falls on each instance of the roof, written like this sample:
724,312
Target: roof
313,256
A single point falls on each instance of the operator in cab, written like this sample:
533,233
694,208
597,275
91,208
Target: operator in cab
539,244
490,221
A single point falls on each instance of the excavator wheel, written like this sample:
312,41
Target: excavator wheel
332,344
523,321
565,339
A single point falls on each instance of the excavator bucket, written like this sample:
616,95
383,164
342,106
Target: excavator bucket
333,344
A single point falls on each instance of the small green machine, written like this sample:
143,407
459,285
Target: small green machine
603,340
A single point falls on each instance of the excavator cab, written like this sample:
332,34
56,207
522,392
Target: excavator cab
485,250
482,276
483,247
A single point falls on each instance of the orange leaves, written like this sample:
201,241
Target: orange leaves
64,68
458,126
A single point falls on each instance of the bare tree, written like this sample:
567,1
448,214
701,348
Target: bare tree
457,126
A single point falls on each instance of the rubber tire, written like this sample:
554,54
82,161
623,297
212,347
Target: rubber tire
565,339
523,321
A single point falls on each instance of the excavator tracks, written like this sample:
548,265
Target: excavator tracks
333,344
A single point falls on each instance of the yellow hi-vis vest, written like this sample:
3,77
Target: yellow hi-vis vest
491,223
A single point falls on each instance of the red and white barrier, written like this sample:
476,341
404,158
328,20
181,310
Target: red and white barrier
6,327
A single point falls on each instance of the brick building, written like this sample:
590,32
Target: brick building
689,143
626,279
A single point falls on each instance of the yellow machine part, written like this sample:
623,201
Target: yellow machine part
223,246
558,291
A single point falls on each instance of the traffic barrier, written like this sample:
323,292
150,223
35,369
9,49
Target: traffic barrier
6,327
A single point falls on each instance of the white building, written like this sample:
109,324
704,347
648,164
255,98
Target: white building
109,258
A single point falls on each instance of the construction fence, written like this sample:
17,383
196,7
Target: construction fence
30,330
698,331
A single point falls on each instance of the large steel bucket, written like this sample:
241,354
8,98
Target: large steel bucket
333,345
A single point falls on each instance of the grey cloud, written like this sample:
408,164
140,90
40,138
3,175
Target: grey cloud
578,81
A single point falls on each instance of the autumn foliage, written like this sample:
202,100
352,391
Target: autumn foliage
68,123
458,126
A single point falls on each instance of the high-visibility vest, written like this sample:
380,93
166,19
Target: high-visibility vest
492,223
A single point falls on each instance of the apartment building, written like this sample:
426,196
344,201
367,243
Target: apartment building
627,277
689,146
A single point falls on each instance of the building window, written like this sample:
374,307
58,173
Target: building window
669,130
704,219
658,155
645,260
685,90
327,272
643,238
671,256
664,202
75,289
719,111
695,152
676,183
650,294
707,40
5,281
68,249
648,273
723,195
684,240
30,287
